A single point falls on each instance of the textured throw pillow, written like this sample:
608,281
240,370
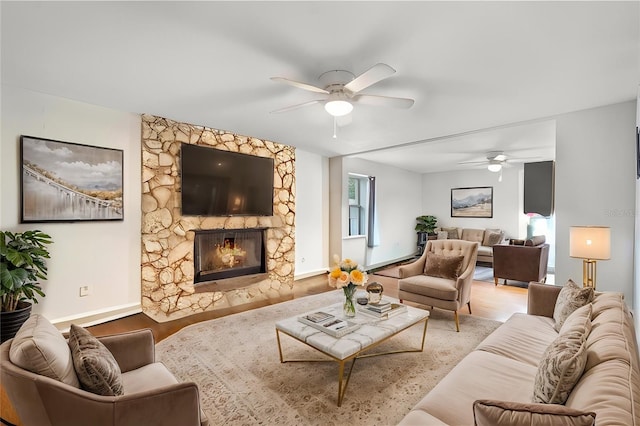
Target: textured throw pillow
452,233
442,235
97,369
491,238
560,369
507,413
448,267
570,298
39,347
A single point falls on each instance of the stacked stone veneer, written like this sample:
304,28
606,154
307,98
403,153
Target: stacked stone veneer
168,291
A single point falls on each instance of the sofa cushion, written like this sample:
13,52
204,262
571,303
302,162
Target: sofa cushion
560,369
97,369
479,375
492,237
570,298
442,266
435,287
39,347
509,413
509,341
473,235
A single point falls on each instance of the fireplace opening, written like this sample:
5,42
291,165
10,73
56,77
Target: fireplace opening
228,253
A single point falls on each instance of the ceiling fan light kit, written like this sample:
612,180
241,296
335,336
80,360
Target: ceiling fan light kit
338,108
495,165
342,88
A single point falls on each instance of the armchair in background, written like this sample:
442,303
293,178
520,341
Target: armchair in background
526,262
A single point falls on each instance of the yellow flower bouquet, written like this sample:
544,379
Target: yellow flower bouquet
347,275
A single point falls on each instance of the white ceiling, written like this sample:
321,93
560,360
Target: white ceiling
470,66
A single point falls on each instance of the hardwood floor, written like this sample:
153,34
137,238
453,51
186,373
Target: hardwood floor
487,301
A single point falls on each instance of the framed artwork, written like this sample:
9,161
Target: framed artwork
472,202
69,182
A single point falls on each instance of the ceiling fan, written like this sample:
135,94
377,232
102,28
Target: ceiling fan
495,160
341,89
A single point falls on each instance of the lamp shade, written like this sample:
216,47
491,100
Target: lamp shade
590,242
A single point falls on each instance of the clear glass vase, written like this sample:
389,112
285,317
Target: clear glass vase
349,307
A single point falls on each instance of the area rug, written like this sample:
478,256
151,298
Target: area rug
483,273
234,360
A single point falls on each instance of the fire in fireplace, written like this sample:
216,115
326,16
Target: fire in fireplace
228,253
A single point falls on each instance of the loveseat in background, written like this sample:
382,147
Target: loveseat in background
486,239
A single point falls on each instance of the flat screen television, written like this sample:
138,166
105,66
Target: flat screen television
224,183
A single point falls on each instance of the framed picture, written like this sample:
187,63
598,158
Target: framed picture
472,202
69,182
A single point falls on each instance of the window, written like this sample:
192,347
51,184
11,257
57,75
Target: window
362,200
357,205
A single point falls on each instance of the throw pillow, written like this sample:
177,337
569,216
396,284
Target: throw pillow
508,413
578,324
97,369
560,369
491,238
39,347
452,233
442,235
570,298
441,266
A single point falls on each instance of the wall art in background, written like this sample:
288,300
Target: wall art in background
472,202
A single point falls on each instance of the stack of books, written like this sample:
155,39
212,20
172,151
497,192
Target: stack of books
383,309
329,324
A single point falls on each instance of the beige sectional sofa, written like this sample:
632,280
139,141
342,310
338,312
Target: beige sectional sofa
486,239
494,384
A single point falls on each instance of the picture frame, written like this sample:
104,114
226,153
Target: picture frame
476,202
69,182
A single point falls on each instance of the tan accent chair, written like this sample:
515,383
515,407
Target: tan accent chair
152,395
443,293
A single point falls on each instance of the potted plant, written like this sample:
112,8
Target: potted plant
22,264
426,224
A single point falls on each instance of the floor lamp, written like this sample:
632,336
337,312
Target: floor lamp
590,243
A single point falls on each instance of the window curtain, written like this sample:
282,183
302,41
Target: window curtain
371,213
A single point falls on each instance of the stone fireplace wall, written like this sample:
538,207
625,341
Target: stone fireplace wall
168,291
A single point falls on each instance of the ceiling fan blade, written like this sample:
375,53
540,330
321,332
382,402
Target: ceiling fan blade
371,76
470,163
292,107
299,85
383,101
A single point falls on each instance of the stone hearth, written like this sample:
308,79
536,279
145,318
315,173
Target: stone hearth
168,290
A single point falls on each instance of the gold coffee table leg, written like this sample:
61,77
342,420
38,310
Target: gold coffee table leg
343,389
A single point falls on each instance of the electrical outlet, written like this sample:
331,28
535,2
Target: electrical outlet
84,290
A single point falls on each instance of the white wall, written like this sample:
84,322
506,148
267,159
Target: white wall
103,255
398,201
507,198
312,214
595,185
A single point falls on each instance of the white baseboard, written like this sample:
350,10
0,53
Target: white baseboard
389,262
100,316
310,274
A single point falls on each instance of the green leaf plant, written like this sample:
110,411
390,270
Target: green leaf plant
22,265
426,224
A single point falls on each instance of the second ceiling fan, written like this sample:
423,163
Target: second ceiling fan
341,89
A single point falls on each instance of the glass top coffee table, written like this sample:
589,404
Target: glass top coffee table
372,332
